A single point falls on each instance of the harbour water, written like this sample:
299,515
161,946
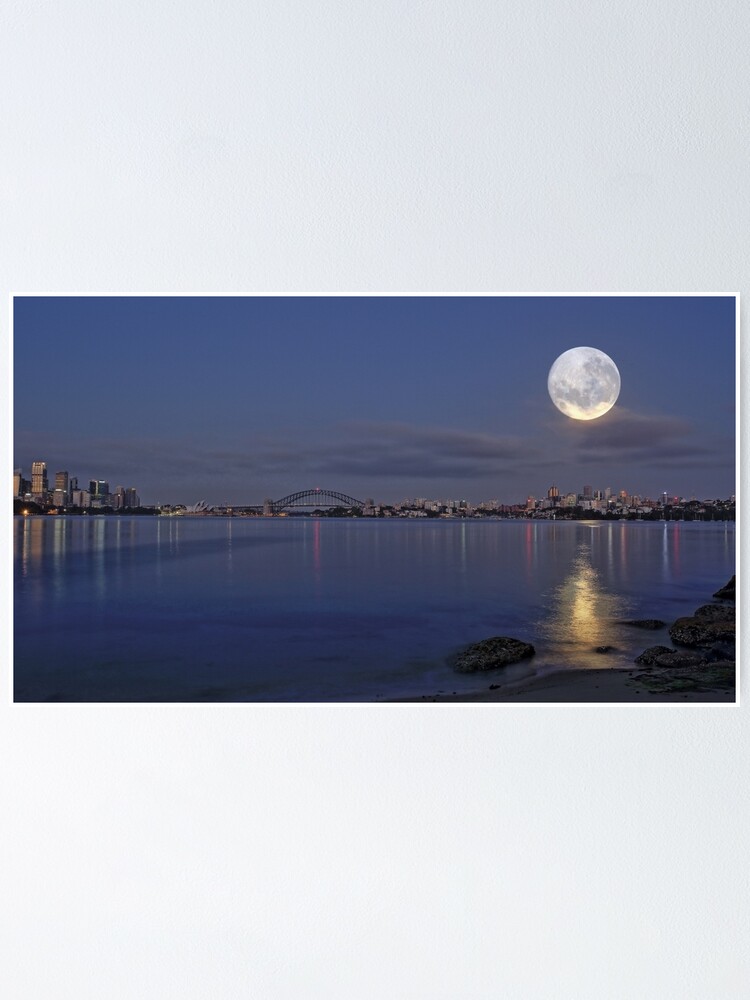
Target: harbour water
308,609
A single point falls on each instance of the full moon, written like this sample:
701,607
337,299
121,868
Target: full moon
584,383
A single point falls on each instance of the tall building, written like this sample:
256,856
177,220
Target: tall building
125,498
587,492
62,487
61,495
98,488
17,482
39,482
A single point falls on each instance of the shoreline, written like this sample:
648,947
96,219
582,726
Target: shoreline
592,685
702,669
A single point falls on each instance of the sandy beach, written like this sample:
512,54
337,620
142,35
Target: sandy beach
605,685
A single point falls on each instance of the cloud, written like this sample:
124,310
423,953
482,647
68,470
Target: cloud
362,448
647,439
397,449
372,455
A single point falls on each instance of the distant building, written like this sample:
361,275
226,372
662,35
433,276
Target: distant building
19,483
62,488
98,488
39,482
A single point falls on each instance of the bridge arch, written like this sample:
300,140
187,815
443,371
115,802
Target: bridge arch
316,498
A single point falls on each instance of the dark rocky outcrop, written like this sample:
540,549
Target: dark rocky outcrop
720,651
604,649
499,651
708,662
649,623
680,658
701,631
716,612
727,592
676,680
652,654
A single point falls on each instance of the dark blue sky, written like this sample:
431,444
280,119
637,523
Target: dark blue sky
237,399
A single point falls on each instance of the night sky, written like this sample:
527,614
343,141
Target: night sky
232,400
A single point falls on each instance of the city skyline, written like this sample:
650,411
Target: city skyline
236,400
100,489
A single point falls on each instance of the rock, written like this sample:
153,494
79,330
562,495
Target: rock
678,658
650,623
718,676
604,649
489,654
727,592
651,655
720,651
716,612
697,631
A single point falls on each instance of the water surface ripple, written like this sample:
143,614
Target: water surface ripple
287,609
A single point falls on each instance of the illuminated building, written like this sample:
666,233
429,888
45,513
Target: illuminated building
62,488
98,488
39,482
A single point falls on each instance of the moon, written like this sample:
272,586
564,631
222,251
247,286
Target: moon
584,383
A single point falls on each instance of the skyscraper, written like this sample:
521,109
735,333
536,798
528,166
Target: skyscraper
39,482
62,486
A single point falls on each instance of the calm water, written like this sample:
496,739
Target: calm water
286,609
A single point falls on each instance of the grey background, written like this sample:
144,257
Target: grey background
346,851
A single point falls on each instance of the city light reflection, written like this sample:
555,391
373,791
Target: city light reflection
530,549
100,572
316,556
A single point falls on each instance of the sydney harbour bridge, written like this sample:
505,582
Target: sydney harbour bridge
311,499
